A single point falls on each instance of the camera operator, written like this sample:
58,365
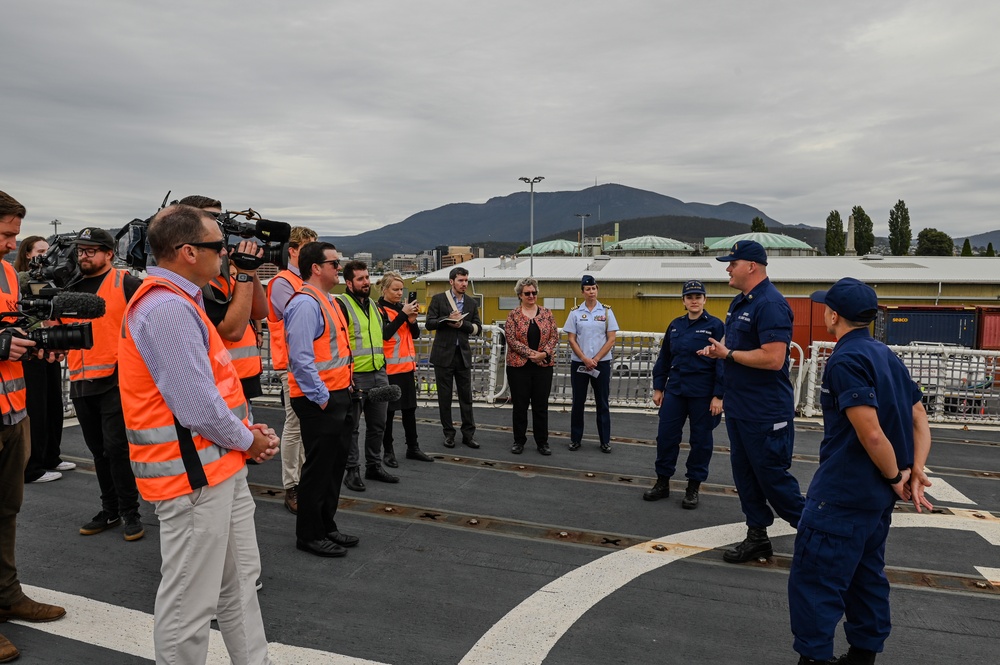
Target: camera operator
232,304
13,439
189,437
93,375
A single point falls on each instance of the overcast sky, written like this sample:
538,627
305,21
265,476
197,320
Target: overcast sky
346,116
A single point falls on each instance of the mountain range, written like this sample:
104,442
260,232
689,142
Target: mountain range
505,219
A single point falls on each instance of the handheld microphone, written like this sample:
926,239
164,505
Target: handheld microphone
384,394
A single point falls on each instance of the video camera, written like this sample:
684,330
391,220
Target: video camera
48,277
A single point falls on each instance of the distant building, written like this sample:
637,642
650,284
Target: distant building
775,244
426,262
363,256
403,263
456,254
649,246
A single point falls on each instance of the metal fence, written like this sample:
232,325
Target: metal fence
959,384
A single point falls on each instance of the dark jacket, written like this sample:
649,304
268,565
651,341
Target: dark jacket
443,349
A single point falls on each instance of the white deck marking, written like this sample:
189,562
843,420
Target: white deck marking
529,631
942,491
992,575
131,631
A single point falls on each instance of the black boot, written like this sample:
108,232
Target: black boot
809,661
661,490
690,500
389,456
413,452
756,546
352,479
856,656
376,472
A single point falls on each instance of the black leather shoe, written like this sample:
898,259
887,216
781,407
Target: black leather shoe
324,547
661,490
470,443
414,452
352,480
544,449
343,539
517,448
449,441
389,459
855,656
376,472
808,661
755,546
605,447
574,445
690,500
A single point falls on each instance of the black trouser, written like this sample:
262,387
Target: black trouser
13,455
103,427
44,402
326,436
409,417
462,376
530,384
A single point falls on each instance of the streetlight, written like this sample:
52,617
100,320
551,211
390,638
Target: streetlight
531,260
583,220
55,224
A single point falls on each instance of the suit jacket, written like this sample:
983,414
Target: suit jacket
445,346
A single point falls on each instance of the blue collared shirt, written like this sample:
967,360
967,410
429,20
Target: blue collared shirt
754,319
591,329
173,342
303,325
679,369
862,372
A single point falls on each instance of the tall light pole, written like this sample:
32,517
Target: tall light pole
583,220
531,182
55,224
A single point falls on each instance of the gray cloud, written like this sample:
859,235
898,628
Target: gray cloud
348,116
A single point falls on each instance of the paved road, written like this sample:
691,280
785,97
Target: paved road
480,561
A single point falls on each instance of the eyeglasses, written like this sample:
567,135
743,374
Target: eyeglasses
529,294
215,245
89,251
335,262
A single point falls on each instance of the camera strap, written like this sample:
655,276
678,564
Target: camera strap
189,456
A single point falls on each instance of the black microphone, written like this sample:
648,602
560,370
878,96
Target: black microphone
383,394
271,231
78,306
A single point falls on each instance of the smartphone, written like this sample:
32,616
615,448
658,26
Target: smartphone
412,297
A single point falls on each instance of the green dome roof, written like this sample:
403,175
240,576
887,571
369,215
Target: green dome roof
652,243
768,240
553,246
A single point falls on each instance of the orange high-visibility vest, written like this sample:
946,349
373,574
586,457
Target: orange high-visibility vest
400,353
246,355
12,393
331,349
276,326
101,360
169,460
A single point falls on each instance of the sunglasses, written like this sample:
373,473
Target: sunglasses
215,245
335,262
529,294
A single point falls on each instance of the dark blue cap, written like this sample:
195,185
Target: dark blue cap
746,250
693,286
851,298
588,280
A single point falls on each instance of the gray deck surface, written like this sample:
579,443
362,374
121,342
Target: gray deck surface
422,592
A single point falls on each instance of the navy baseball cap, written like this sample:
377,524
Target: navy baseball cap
693,286
851,298
94,236
746,250
588,280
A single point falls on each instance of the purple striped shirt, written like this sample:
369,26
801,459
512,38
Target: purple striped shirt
173,341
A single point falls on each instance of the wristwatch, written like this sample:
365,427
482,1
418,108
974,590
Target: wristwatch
729,356
243,277
893,481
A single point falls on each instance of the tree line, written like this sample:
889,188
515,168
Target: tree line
930,241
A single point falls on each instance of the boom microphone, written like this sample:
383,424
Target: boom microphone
78,306
384,393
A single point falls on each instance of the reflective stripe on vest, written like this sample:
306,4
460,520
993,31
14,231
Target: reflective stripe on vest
246,355
101,360
331,352
399,344
276,326
167,459
12,391
368,351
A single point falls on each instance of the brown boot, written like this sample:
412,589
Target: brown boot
27,609
8,651
292,499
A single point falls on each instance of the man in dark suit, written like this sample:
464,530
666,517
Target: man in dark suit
454,316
